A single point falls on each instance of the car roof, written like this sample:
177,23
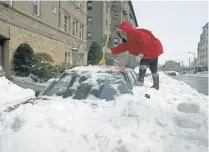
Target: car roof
96,68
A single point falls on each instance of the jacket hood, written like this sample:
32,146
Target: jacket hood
126,27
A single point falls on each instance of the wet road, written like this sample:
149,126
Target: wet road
197,82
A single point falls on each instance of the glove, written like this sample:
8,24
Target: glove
139,57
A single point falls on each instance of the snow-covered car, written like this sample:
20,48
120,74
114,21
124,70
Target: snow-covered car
98,82
104,83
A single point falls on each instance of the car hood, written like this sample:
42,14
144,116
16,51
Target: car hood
7,107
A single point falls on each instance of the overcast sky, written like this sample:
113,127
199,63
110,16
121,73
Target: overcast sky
178,24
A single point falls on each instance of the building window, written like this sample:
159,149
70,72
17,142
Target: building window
74,28
81,32
116,15
89,5
115,41
115,27
65,56
65,23
54,9
106,22
36,8
106,8
89,35
89,20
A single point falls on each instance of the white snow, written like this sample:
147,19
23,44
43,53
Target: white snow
10,92
136,70
29,80
174,119
95,69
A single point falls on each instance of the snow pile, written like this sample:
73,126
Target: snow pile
1,72
29,80
10,92
173,120
136,70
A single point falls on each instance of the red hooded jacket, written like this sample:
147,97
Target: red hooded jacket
139,41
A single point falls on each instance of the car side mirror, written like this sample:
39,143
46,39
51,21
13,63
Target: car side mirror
37,93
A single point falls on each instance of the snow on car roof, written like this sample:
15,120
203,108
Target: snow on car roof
98,72
96,68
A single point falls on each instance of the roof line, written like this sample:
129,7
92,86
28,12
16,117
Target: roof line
205,25
132,9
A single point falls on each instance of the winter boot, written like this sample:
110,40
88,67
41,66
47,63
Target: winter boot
155,77
142,72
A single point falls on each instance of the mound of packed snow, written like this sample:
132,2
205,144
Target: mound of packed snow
29,80
174,119
136,70
10,92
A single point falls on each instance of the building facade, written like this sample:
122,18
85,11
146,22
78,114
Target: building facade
122,11
172,66
54,27
98,21
202,51
103,18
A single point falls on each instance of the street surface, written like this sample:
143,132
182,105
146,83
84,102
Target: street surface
197,82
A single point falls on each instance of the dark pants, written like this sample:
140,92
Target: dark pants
153,64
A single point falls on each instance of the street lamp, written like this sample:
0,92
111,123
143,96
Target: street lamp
194,60
189,64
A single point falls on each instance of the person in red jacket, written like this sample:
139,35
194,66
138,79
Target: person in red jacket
141,43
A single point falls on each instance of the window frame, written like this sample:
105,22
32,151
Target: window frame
89,38
81,32
74,28
114,41
89,17
66,24
38,4
89,7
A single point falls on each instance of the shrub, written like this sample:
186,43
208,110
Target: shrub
94,54
24,59
44,57
61,70
45,70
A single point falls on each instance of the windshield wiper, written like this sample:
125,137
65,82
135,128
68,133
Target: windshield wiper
31,101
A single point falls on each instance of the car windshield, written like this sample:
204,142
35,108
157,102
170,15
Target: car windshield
102,85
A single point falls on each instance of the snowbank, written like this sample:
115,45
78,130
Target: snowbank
29,80
10,92
136,70
174,119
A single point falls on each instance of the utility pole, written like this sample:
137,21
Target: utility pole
189,64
